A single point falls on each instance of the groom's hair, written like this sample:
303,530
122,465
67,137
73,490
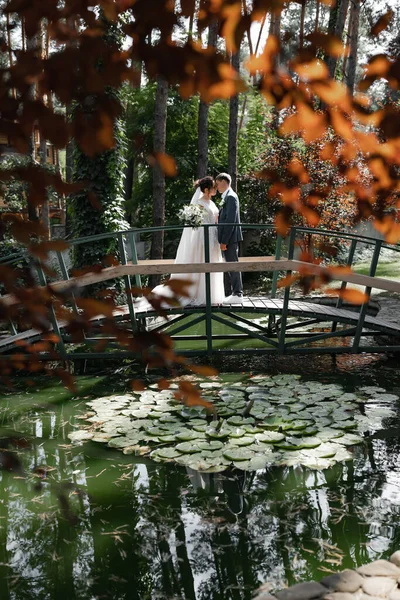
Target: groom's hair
224,177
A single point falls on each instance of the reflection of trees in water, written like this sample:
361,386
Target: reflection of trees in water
149,531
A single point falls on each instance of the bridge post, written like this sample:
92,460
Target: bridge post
127,282
364,308
349,262
282,333
132,245
208,291
278,250
53,316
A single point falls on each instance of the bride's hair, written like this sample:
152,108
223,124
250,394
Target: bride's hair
205,183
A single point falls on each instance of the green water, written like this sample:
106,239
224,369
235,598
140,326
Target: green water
87,522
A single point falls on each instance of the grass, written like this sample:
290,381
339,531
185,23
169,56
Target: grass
388,270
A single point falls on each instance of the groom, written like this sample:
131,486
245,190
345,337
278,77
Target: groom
229,236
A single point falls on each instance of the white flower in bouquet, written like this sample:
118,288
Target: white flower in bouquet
192,214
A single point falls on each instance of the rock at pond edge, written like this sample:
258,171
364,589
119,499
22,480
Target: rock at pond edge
346,581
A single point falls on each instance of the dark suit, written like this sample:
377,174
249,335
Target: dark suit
230,233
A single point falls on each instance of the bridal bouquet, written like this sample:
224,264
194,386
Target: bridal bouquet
192,214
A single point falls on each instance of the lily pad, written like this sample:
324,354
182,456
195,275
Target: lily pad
238,454
78,436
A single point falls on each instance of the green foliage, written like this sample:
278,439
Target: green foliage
182,145
13,191
105,174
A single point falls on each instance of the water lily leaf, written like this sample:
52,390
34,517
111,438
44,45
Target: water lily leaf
327,450
237,432
275,423
310,442
386,397
343,455
141,413
300,424
243,465
121,442
258,462
242,441
237,420
318,464
214,469
312,430
78,436
200,428
167,438
101,437
238,454
218,434
270,437
328,434
187,447
210,445
350,439
166,453
186,435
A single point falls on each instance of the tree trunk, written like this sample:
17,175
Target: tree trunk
317,9
302,21
45,206
160,126
353,45
202,126
130,168
275,29
31,44
233,127
337,20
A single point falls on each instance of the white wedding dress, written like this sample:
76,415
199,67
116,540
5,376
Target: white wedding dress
191,250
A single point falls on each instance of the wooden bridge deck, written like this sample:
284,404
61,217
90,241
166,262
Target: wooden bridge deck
251,305
296,308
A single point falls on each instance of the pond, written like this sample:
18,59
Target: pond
89,522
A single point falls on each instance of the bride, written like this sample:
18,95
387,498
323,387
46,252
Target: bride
191,250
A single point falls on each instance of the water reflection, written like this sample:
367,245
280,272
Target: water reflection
145,531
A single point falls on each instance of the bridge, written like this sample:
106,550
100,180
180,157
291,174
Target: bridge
272,322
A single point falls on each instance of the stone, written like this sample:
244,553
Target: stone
303,591
264,596
380,568
368,597
394,594
346,581
339,596
378,586
395,558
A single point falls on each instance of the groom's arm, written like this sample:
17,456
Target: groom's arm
230,217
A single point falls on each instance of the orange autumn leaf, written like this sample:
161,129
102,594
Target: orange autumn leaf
282,224
163,384
95,308
232,15
311,216
350,295
41,250
382,23
287,281
309,71
166,162
137,385
264,62
342,125
333,94
328,42
203,370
